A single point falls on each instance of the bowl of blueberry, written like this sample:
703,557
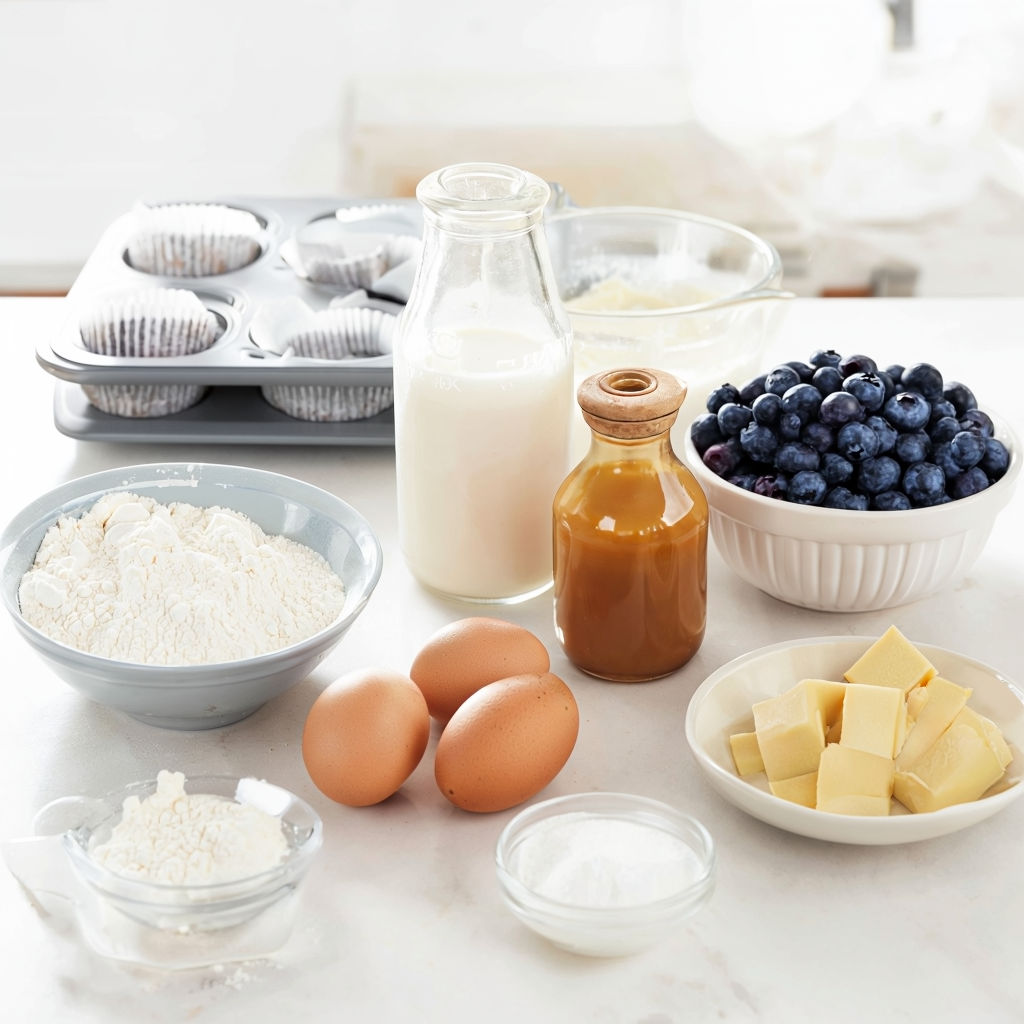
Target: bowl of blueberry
843,485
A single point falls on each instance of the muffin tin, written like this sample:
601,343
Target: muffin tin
244,359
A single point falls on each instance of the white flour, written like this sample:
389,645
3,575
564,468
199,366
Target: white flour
184,838
136,580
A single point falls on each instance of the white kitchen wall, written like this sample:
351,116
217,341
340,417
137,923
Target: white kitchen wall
105,102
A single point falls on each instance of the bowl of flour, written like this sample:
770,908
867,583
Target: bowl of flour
186,595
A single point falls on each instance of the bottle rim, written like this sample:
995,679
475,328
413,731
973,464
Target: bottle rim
492,193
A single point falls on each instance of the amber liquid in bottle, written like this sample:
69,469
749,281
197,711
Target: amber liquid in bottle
630,537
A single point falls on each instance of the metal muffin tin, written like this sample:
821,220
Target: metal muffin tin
235,367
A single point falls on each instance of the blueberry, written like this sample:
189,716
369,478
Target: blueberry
942,408
704,432
790,426
978,421
887,382
733,417
721,395
923,378
772,485
840,408
807,487
867,388
803,399
857,442
827,379
924,482
996,459
825,357
879,474
804,370
744,480
759,442
781,379
767,408
891,501
969,482
942,456
857,364
818,436
794,456
944,429
721,458
967,449
913,446
752,389
907,410
895,372
960,396
843,497
886,432
835,469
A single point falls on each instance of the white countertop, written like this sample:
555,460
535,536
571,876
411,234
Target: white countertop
402,919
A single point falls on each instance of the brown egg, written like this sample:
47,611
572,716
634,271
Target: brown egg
469,653
507,742
364,735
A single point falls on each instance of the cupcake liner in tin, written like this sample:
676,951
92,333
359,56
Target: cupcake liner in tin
159,322
334,334
193,239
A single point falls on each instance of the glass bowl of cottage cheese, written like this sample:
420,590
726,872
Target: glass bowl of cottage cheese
186,594
180,873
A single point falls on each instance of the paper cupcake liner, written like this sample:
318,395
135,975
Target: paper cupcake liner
159,323
336,334
143,401
193,240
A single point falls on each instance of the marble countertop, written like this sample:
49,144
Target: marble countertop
401,916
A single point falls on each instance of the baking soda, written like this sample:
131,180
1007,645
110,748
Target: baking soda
179,838
136,580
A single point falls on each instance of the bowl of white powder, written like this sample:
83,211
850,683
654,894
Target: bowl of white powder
178,873
186,595
604,874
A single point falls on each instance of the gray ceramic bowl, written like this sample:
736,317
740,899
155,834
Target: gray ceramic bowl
200,696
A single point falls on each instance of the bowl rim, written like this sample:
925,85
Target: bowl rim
84,491
815,824
807,520
764,288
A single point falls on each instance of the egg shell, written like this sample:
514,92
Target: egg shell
469,653
507,742
364,736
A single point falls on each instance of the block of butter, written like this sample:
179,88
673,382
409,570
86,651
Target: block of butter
935,706
892,660
874,719
852,781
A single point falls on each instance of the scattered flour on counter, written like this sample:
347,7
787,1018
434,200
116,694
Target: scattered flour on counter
180,838
176,584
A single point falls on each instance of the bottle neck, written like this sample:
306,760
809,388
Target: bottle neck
605,449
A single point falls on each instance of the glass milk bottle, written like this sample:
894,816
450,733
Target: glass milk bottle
630,535
483,389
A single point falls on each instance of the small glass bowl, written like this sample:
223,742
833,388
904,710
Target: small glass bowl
631,870
184,926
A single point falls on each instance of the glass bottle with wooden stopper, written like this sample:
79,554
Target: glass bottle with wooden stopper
630,535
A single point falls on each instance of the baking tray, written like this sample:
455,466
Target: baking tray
235,367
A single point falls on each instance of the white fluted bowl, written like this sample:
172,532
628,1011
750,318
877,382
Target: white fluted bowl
840,560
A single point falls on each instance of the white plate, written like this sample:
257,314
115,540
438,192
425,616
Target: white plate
721,706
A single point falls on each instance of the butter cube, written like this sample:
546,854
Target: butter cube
988,731
892,660
874,719
935,704
746,753
790,732
801,789
958,767
856,803
846,771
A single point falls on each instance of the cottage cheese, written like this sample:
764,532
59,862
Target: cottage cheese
136,580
